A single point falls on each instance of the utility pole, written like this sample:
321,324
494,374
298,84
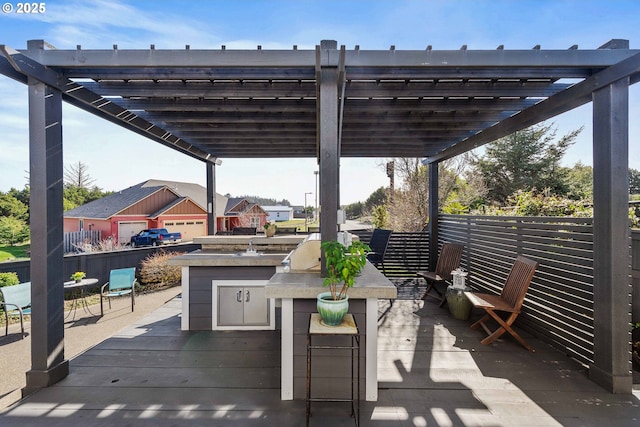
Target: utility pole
390,174
306,213
315,211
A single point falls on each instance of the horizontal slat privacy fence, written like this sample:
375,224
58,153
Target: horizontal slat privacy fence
406,253
559,304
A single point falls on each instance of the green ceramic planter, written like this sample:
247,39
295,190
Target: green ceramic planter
459,304
332,311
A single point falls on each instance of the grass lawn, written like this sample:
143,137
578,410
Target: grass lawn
299,223
14,252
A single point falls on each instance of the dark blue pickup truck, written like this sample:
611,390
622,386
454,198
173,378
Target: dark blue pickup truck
155,237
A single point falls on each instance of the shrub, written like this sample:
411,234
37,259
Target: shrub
155,273
8,279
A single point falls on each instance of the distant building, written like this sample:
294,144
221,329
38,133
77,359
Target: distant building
278,213
298,211
176,206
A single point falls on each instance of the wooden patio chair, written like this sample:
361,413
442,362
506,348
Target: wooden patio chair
510,301
121,282
449,260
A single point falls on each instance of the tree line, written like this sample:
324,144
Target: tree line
79,189
520,174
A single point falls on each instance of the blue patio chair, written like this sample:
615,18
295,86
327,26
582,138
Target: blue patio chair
121,282
16,301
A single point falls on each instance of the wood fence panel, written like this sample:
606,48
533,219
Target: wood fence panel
75,241
406,254
559,304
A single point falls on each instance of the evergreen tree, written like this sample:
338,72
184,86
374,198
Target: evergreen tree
525,160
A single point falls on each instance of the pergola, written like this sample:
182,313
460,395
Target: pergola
329,103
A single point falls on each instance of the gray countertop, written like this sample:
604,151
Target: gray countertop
300,285
244,240
208,259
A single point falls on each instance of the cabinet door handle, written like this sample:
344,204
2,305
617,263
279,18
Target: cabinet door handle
248,296
239,296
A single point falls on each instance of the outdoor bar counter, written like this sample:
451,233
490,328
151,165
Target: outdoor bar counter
223,284
298,292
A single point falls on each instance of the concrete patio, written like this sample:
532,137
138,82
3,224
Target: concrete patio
433,371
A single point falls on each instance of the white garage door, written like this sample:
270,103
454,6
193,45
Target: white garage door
189,229
126,229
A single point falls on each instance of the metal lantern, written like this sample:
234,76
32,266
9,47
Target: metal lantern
459,277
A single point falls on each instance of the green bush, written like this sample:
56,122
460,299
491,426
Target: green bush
8,279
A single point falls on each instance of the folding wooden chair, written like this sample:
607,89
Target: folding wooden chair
510,300
449,260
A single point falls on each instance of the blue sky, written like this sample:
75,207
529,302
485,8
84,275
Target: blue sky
111,152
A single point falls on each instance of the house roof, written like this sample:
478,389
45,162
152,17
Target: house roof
110,205
195,192
277,208
232,207
117,202
176,202
235,206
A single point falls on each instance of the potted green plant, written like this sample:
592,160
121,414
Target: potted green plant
270,229
78,276
343,264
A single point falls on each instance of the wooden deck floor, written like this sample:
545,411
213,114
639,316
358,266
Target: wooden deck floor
432,371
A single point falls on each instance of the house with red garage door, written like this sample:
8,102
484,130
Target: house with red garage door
176,206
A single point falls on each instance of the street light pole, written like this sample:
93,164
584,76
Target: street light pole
315,210
306,214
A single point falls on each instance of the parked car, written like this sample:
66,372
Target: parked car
155,237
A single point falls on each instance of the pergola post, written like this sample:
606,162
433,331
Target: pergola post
329,150
211,198
48,364
432,225
611,258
